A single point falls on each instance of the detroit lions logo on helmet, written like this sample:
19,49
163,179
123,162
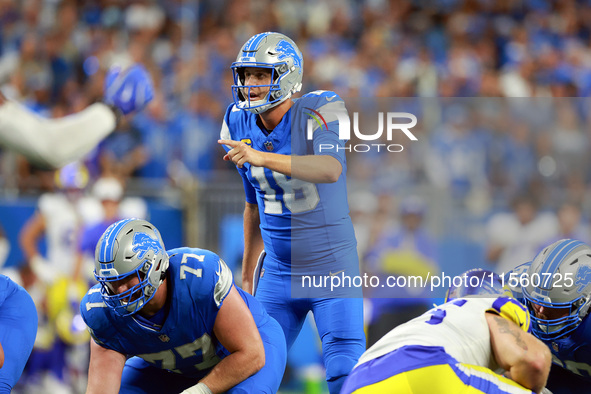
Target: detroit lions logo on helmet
583,277
286,50
142,243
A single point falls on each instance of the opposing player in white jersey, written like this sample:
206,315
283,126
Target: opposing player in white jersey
456,347
53,143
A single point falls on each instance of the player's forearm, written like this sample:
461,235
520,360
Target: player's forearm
532,371
316,168
525,357
253,244
29,235
104,371
54,142
309,168
234,369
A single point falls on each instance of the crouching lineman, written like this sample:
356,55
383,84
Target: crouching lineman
556,288
455,347
189,328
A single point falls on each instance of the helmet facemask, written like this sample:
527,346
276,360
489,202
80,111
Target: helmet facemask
555,328
241,92
134,298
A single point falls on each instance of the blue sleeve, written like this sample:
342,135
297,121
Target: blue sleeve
249,191
225,133
6,287
324,106
92,310
86,244
332,139
209,288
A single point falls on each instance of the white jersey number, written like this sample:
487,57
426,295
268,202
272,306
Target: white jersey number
168,357
298,196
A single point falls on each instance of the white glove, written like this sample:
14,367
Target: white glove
545,391
199,388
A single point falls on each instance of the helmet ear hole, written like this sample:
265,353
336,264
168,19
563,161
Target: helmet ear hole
584,305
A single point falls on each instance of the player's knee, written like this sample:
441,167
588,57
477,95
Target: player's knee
338,367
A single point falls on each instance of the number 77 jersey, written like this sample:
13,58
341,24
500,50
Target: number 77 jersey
198,281
310,220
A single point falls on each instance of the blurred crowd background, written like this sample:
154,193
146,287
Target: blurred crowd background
499,170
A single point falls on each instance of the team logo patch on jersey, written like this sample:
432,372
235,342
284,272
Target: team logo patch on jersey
143,243
583,277
555,346
286,50
164,338
247,141
268,145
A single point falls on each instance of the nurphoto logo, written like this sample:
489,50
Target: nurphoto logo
317,122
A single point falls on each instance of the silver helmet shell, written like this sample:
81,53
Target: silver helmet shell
281,56
130,247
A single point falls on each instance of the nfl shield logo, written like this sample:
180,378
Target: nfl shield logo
269,145
164,338
555,346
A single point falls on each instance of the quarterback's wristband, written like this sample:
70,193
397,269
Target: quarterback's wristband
199,388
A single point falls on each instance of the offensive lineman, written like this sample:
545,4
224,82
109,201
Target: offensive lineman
179,314
556,287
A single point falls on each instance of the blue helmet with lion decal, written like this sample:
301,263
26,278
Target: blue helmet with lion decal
130,247
279,54
557,288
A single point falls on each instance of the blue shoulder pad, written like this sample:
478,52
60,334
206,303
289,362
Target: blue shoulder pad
94,313
204,273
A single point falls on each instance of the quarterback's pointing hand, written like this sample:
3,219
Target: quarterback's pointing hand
242,153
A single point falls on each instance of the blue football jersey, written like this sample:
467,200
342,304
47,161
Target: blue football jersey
198,282
574,352
7,288
310,220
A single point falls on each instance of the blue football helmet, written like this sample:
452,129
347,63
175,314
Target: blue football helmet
559,277
130,247
478,282
279,54
130,89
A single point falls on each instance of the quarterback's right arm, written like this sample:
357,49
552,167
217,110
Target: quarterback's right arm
526,359
104,372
